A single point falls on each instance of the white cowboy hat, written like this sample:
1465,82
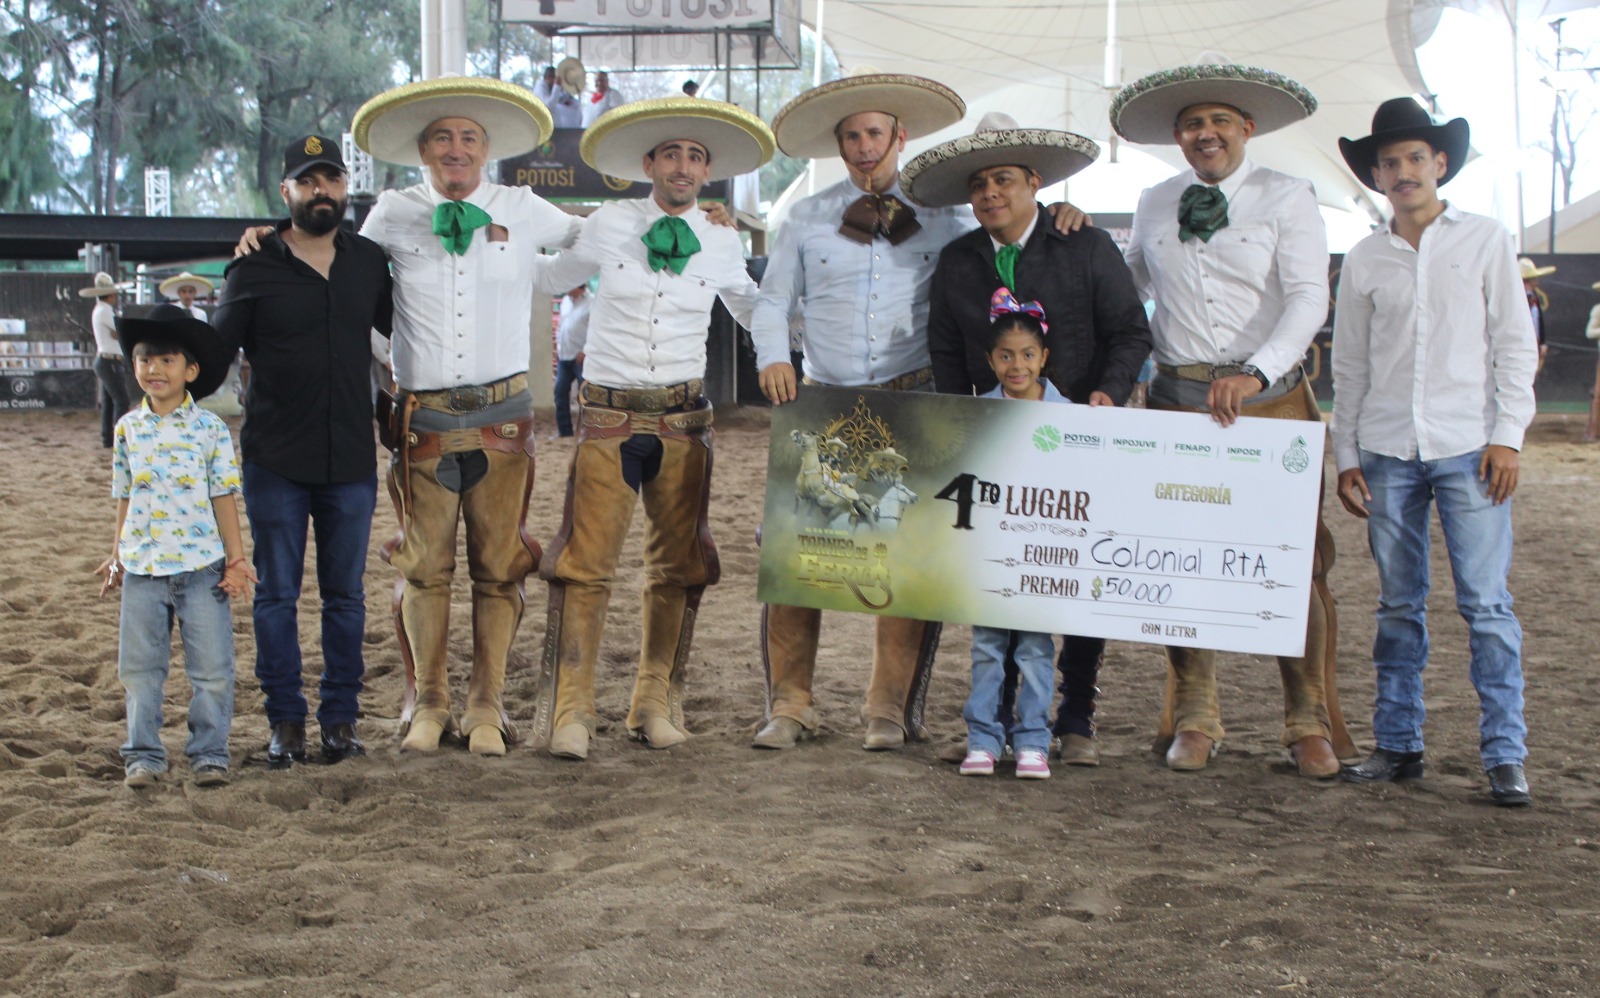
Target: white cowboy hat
804,128
1530,270
170,286
1146,110
616,143
387,126
572,76
103,285
938,178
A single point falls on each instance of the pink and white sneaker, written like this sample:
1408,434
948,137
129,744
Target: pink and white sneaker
1032,764
978,763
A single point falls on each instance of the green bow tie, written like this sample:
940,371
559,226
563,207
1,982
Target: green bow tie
1202,210
1005,261
671,243
455,221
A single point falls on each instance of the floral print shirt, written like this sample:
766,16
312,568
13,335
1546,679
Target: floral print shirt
169,468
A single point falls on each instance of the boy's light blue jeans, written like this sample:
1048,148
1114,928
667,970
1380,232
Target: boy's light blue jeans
1036,668
1477,534
150,603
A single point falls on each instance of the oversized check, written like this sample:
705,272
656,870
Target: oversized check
1120,523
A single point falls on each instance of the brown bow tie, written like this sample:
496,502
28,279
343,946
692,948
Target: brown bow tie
874,214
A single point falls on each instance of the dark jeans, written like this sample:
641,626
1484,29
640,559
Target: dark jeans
1079,666
341,516
567,372
112,373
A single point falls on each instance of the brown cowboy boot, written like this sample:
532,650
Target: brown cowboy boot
789,638
656,713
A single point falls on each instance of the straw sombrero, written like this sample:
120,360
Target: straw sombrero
1531,270
1145,111
173,324
804,128
739,142
387,126
572,76
1402,118
103,285
170,286
938,178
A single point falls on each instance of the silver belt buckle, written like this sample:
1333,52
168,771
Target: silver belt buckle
472,398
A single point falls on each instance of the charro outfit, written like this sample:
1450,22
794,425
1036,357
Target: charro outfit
599,103
110,369
1255,293
309,457
460,353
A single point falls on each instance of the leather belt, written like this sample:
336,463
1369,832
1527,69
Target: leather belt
472,398
903,383
643,399
1199,372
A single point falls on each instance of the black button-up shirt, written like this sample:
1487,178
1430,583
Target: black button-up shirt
308,410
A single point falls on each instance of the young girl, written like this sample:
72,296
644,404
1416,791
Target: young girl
1017,354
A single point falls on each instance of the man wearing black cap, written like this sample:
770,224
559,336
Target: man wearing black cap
1433,368
302,308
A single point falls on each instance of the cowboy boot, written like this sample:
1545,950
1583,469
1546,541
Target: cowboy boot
424,617
789,638
656,713
899,650
573,640
1197,719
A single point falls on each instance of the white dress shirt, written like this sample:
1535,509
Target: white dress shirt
1256,293
1433,351
593,108
573,330
864,305
463,320
546,92
103,320
564,110
648,328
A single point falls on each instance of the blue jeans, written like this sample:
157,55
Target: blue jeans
1030,727
1477,534
149,605
341,516
567,372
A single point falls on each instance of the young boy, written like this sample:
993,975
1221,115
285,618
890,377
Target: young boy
1433,368
178,550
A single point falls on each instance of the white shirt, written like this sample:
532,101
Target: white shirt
103,320
1022,240
1256,293
573,331
1433,351
593,109
648,328
865,305
564,109
197,312
546,92
463,320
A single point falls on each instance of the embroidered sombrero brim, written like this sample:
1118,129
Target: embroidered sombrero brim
170,323
1146,110
617,142
170,286
387,126
804,128
938,178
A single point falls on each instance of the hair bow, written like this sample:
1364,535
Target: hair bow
1005,303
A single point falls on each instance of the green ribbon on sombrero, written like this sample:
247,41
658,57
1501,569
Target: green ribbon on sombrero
1202,210
670,243
454,222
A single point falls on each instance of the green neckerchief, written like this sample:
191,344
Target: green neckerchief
454,222
1202,210
1005,261
671,243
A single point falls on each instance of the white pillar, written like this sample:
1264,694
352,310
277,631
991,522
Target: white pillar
430,39
453,37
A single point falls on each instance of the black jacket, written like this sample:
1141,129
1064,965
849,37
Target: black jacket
1098,338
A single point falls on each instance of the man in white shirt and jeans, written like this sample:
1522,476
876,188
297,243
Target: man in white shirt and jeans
1235,257
1433,368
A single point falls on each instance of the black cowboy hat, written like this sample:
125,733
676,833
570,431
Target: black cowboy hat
1400,119
173,324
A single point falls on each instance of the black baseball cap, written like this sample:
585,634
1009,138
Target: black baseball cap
313,150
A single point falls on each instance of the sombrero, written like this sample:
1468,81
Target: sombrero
938,178
804,128
170,286
1403,118
103,285
616,143
173,324
1530,270
572,76
1145,110
387,126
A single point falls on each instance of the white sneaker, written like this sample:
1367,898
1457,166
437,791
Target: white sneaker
978,763
1032,764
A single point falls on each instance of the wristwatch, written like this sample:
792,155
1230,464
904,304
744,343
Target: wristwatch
1257,373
